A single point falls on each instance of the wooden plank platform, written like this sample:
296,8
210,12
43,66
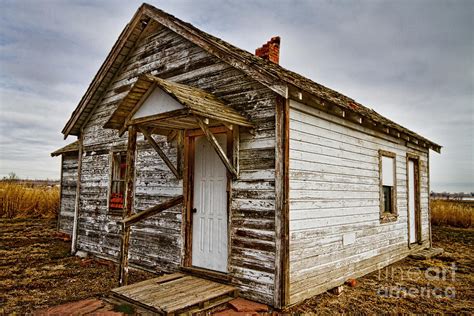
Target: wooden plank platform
427,253
176,293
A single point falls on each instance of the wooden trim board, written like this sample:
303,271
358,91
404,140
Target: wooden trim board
282,282
78,194
188,190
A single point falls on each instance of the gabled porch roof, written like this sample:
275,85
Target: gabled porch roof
196,103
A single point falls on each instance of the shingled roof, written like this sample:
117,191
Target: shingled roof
282,81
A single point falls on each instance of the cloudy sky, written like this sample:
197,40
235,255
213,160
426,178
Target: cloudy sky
411,61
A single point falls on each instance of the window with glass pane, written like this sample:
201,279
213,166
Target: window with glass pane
388,204
117,186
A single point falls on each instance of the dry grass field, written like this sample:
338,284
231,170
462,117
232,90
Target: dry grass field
452,213
22,200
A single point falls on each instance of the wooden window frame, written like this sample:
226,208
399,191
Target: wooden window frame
387,217
114,211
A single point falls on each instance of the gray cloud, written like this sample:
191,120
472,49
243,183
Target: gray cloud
412,61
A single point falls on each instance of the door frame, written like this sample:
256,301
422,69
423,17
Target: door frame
188,191
417,181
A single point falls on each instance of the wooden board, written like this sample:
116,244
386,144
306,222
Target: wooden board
175,293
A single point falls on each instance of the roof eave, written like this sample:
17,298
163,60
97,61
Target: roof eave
103,70
297,94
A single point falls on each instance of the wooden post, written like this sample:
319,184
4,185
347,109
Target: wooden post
179,153
285,218
429,197
281,297
188,166
127,211
78,193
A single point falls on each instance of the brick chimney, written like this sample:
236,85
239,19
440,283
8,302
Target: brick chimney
270,50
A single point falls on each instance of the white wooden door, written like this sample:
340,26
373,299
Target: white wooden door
209,246
411,201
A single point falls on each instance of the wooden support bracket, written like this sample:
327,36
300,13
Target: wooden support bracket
126,225
135,218
172,135
220,152
160,152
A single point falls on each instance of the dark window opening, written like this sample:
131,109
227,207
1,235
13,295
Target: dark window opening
117,187
387,198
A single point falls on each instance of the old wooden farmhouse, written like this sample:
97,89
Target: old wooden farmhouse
195,155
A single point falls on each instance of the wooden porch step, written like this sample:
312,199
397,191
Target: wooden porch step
427,253
176,293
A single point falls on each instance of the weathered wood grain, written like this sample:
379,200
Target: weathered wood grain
69,172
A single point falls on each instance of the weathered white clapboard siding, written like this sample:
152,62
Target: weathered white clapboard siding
157,243
334,194
68,192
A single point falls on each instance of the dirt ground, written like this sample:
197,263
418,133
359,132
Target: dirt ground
36,271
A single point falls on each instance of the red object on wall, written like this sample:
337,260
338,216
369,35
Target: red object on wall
116,200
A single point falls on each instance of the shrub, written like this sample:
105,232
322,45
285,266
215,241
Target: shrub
452,213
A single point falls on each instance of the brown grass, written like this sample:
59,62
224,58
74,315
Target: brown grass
452,213
21,200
